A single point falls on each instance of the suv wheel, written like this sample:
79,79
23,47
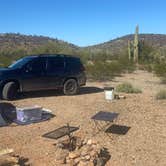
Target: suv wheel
70,87
9,91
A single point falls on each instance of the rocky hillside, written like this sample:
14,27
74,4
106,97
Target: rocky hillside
29,42
117,45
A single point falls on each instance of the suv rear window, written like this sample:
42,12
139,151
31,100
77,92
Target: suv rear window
73,63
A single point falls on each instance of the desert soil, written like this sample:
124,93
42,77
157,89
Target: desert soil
143,144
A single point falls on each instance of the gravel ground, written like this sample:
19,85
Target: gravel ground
144,143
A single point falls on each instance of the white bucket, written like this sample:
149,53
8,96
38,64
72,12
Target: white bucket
109,94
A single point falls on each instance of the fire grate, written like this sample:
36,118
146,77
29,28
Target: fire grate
61,132
105,116
118,129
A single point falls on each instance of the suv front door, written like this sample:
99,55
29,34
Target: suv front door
34,75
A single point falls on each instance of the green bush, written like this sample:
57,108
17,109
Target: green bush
127,88
163,80
107,69
161,94
104,70
160,69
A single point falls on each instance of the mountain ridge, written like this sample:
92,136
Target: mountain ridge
14,40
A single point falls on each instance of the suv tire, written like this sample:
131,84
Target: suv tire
70,87
9,91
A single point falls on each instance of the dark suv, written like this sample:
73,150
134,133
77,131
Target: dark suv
42,72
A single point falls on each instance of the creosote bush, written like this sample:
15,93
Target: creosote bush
127,88
163,80
108,69
161,94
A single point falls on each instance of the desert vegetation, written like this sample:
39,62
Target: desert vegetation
161,94
127,88
103,61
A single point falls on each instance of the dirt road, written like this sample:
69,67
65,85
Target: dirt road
144,144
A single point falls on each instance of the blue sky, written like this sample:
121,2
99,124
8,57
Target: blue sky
82,22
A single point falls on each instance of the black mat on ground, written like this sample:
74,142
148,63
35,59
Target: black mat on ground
8,112
45,116
118,129
60,132
105,116
2,121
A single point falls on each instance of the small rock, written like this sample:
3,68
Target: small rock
79,142
83,163
85,141
67,161
89,142
59,145
61,155
90,163
93,153
46,153
99,162
76,161
87,157
86,150
71,162
94,146
8,160
73,155
94,141
60,161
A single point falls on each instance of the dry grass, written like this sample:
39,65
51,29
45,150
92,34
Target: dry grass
127,88
161,94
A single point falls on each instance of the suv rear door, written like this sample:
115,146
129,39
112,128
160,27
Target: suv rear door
55,71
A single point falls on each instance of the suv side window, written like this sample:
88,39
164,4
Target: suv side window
36,66
55,64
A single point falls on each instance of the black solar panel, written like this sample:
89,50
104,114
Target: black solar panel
105,116
60,132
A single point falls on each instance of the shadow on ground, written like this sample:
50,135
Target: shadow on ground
118,129
89,90
8,112
49,93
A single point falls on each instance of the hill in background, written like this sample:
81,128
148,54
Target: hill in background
119,44
12,41
14,46
29,42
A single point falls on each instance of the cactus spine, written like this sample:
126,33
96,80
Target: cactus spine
136,42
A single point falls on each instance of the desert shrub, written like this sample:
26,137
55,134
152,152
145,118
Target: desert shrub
126,64
160,69
127,88
161,94
104,70
163,80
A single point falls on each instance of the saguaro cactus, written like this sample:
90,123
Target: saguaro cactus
136,42
129,49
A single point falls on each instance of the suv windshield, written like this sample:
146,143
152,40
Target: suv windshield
21,62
